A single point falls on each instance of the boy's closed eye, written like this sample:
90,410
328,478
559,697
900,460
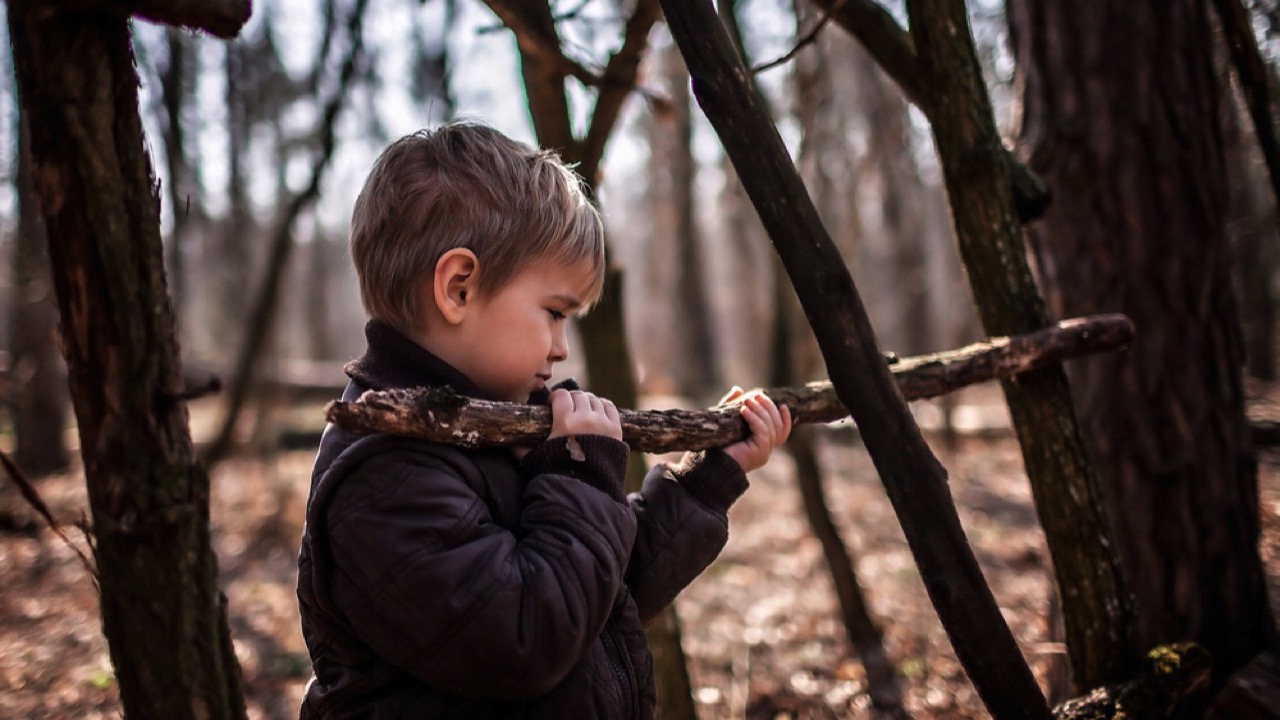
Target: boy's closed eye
557,315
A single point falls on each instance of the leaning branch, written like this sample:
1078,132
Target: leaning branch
222,18
442,416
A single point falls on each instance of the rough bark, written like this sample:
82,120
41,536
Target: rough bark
37,397
162,614
443,416
1121,115
1097,608
913,478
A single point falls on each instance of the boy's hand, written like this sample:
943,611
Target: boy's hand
770,426
578,412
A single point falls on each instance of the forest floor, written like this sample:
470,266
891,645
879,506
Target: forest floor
760,627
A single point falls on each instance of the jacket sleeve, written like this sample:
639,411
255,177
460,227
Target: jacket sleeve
430,582
682,525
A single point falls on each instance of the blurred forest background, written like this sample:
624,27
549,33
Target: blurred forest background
259,146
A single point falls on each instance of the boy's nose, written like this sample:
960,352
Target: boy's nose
559,344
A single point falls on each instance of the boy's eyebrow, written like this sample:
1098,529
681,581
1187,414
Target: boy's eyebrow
569,301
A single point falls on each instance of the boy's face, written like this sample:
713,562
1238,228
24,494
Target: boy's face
511,339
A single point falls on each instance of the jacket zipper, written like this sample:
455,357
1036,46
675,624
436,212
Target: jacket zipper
614,647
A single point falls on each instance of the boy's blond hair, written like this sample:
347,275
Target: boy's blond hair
466,185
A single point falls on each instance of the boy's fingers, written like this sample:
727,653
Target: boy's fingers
561,402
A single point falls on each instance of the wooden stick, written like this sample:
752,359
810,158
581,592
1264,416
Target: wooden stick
441,415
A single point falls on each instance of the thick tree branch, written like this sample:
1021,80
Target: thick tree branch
619,79
1251,72
442,416
891,46
534,40
222,18
539,44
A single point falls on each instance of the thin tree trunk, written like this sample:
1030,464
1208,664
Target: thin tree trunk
162,612
793,344
1122,117
695,354
609,363
184,188
1097,608
37,373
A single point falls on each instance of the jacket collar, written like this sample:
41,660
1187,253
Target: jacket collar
392,360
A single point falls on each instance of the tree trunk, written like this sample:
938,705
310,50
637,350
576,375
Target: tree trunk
235,236
37,394
697,374
609,363
177,83
1097,609
1121,117
793,349
319,281
162,613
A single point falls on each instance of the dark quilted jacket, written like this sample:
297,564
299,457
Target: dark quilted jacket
438,582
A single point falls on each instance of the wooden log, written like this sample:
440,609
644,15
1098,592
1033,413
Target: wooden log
441,415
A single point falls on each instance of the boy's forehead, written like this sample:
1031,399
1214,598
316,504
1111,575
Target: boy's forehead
565,281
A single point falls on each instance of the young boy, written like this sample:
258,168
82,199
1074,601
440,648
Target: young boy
440,582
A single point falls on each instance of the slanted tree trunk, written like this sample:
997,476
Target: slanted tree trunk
162,612
37,395
1121,108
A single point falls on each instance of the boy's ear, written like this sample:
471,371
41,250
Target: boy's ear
454,285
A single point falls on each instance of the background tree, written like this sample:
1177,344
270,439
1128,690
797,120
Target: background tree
544,70
37,378
1121,117
679,339
156,566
